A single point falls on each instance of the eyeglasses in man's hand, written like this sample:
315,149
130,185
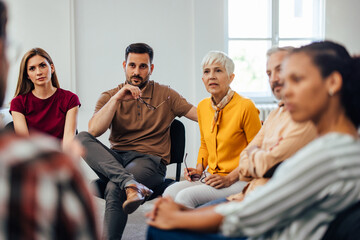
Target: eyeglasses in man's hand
151,107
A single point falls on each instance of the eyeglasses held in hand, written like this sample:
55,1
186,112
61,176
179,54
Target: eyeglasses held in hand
196,177
151,107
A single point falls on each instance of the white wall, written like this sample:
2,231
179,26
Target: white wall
105,28
342,23
45,24
87,38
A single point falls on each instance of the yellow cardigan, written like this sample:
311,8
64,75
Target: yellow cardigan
238,125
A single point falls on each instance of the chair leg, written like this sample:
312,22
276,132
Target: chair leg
178,169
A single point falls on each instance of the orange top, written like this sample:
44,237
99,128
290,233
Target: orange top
237,125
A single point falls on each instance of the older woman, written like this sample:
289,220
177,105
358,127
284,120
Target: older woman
227,122
40,104
322,84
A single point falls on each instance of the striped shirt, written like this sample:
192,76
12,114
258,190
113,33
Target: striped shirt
42,193
304,195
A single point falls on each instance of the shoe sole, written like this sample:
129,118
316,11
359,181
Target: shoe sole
132,206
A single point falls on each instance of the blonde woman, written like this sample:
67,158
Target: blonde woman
228,122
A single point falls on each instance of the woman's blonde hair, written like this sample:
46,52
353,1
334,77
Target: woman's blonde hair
24,84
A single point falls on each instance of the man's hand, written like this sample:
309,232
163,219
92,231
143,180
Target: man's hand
218,181
128,92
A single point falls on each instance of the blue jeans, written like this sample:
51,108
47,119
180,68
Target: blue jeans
214,202
157,234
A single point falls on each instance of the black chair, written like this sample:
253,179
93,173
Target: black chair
9,127
346,225
177,135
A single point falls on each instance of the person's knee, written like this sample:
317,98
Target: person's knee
187,198
137,169
177,187
145,173
171,191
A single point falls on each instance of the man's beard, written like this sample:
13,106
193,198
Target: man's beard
276,84
142,84
277,95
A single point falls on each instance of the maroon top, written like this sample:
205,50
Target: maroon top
46,115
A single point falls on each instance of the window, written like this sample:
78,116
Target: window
254,26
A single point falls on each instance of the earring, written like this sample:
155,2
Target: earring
331,92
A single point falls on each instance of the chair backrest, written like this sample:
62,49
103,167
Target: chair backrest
177,135
9,127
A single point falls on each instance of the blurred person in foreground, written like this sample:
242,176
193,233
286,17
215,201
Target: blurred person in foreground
42,193
308,190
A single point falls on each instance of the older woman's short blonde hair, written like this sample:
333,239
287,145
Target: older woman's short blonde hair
221,58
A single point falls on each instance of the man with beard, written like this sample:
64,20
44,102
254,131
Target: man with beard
278,139
139,113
